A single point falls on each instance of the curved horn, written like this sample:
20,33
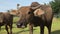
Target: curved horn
35,7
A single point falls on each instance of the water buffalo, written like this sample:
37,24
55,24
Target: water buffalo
37,15
7,20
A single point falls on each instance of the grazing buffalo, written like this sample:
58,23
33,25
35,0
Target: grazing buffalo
36,15
7,20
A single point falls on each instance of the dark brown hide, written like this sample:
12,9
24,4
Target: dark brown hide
45,19
27,16
7,20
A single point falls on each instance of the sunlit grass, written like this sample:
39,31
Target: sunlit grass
55,28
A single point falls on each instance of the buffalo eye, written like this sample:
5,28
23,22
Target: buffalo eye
29,12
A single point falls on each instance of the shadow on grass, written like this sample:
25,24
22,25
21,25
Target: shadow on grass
5,29
22,31
56,32
2,29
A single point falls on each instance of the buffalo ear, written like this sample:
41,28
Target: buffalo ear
39,12
13,12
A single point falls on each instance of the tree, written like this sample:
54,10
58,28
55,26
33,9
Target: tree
55,6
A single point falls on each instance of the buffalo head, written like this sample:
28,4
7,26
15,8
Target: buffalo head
27,14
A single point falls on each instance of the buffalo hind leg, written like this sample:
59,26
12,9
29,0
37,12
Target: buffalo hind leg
6,27
41,29
30,28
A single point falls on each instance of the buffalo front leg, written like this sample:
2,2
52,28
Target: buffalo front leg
6,27
41,29
30,28
0,27
10,29
49,29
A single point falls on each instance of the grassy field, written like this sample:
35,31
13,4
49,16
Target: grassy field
55,28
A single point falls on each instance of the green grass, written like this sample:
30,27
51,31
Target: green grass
55,28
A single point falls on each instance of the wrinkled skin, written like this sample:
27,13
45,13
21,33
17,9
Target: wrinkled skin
41,17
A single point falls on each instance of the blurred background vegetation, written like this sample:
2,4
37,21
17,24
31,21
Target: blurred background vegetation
56,7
